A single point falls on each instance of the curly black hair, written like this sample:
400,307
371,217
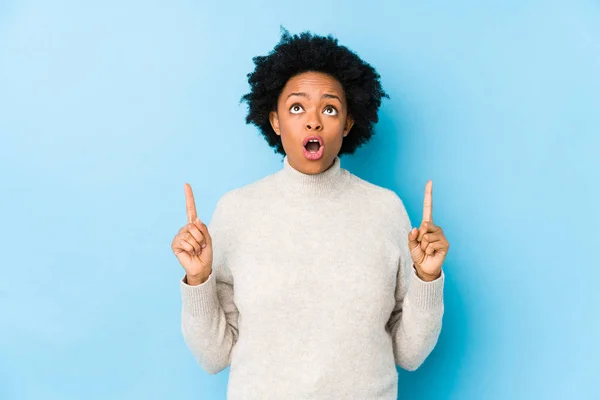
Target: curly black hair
308,52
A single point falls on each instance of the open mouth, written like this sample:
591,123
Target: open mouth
313,147
313,144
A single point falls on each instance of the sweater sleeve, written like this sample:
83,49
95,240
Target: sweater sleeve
416,321
209,315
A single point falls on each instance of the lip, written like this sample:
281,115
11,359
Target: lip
319,138
313,156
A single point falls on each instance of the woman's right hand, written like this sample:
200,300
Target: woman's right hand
193,245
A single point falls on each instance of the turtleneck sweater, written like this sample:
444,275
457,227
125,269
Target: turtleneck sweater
313,293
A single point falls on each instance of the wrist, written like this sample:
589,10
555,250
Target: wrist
426,277
195,280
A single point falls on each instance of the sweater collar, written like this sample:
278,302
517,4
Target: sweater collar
324,183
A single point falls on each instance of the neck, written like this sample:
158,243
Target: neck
325,183
309,173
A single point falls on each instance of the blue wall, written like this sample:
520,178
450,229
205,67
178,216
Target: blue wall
107,108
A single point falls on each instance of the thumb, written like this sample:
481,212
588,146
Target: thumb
204,229
412,238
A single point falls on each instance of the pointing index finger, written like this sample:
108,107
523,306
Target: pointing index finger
190,205
427,203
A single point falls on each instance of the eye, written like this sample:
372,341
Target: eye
296,109
330,110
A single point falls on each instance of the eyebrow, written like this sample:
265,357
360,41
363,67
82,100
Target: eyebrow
325,96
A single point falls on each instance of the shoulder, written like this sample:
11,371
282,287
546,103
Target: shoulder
239,199
239,207
251,191
383,201
378,194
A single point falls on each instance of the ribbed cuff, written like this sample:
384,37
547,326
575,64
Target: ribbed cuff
426,295
199,300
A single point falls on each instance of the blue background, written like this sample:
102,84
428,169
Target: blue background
108,107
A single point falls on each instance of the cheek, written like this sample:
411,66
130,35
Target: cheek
336,128
338,122
290,125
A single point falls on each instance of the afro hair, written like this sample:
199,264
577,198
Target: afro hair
305,52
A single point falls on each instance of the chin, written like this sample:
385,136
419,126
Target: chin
313,166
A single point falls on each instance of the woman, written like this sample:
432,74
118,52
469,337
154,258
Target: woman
310,282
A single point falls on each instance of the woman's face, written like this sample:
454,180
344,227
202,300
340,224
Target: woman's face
311,105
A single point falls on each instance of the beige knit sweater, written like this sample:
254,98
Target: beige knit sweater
313,294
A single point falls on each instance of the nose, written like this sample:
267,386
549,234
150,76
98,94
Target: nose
314,123
316,127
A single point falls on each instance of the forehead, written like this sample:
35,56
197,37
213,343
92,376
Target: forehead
313,82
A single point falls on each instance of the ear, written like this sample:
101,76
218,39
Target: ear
274,119
348,126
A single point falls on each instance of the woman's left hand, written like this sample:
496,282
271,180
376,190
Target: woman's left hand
428,245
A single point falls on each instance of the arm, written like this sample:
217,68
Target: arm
209,316
416,321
